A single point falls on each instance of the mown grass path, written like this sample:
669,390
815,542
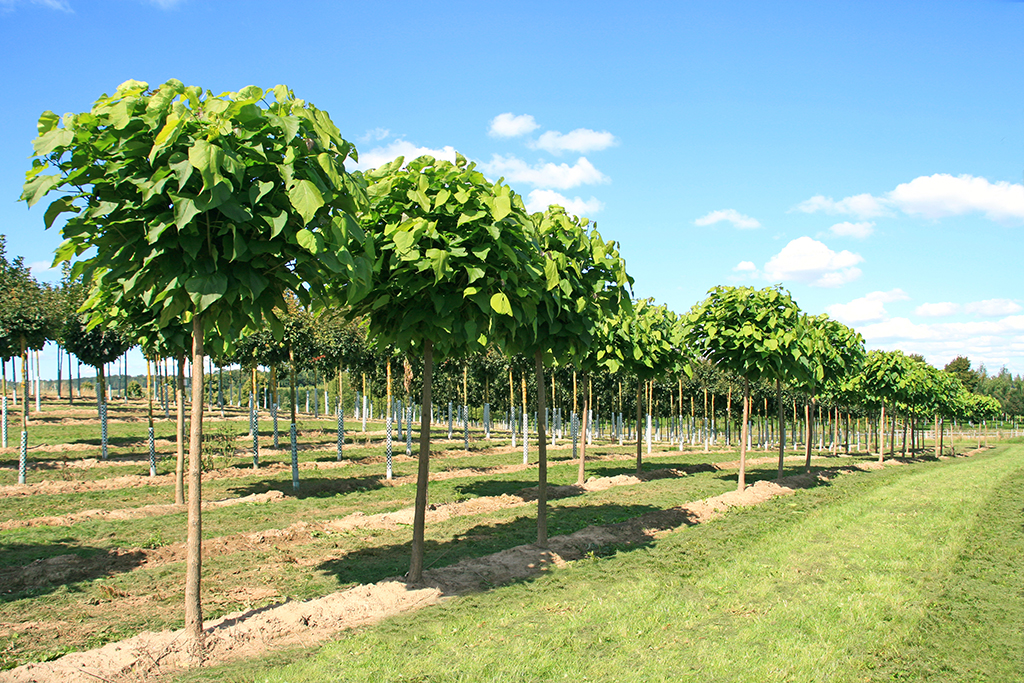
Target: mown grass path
908,573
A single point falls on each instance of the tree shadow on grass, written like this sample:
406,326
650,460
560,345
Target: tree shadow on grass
504,552
58,564
490,487
310,487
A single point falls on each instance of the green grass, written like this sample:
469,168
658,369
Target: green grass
909,573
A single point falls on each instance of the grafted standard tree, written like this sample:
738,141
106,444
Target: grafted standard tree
455,266
647,341
585,281
26,322
835,353
755,333
207,209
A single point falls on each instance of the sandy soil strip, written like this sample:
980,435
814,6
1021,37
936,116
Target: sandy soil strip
249,634
71,567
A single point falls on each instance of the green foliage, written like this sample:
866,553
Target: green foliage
885,377
644,339
585,282
756,333
961,367
27,308
456,261
1005,388
183,202
96,346
834,353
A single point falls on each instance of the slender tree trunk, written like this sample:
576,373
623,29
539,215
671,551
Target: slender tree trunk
782,425
881,435
292,427
707,423
423,473
728,416
580,474
744,435
101,396
194,551
892,435
23,454
149,417
179,470
809,418
542,455
903,449
639,425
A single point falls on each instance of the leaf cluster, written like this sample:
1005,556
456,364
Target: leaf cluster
183,202
455,257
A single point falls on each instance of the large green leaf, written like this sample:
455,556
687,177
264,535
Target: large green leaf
501,304
205,290
305,199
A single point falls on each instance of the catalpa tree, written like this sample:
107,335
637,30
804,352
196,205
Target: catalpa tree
207,209
456,266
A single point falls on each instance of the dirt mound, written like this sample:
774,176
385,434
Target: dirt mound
136,513
251,633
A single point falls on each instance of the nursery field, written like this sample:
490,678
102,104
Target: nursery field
866,573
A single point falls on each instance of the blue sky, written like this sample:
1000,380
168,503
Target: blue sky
869,156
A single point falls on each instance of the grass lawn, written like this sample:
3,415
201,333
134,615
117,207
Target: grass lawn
909,573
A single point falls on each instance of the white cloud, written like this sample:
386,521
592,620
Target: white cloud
858,231
808,260
374,135
936,196
937,310
166,4
733,216
993,307
898,328
867,308
547,175
861,206
539,200
62,5
379,156
508,125
41,270
581,140
992,342
745,267
941,195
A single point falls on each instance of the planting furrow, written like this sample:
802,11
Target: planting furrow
253,632
71,567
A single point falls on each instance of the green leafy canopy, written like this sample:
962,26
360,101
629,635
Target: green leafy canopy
183,202
456,260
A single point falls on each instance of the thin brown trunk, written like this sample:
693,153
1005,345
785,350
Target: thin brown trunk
881,435
707,423
194,551
808,418
892,435
581,472
423,474
639,426
179,471
782,425
24,383
744,435
903,449
542,456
